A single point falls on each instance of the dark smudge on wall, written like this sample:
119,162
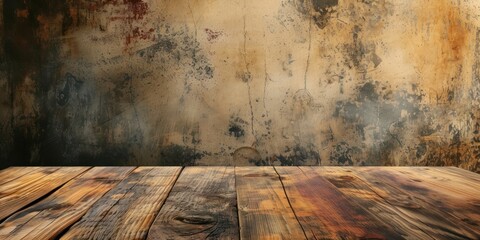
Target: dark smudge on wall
292,82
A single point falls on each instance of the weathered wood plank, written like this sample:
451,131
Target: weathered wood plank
461,172
128,210
324,212
25,180
370,199
201,205
263,208
12,173
52,215
17,194
456,176
443,210
329,202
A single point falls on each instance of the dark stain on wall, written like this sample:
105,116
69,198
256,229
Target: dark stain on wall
297,156
237,126
320,11
175,155
236,131
342,154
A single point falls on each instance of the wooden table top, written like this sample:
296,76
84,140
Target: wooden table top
239,203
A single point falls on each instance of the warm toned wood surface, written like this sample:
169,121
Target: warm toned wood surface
263,207
127,211
202,204
239,202
361,192
19,192
51,216
448,209
12,173
406,207
324,212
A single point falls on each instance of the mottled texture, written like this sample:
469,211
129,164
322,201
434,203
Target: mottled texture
292,82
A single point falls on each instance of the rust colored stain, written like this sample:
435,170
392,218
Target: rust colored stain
457,36
129,13
439,54
138,33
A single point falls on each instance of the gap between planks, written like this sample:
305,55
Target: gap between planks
290,202
274,174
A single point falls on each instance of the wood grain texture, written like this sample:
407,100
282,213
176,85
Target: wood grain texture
12,173
273,203
324,212
445,210
14,195
263,208
407,212
457,176
201,205
128,210
26,179
363,194
462,173
51,216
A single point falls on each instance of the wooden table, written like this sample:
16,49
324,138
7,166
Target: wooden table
239,202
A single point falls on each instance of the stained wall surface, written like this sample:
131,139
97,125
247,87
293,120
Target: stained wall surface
240,82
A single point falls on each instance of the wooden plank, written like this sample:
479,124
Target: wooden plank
324,212
15,195
25,180
452,176
201,205
458,176
128,210
263,208
359,191
475,176
445,213
51,216
459,186
12,173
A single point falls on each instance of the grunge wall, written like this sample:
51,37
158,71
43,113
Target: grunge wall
240,82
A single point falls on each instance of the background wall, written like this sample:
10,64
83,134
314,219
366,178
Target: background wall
245,82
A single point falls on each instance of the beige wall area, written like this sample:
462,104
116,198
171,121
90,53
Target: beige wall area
241,82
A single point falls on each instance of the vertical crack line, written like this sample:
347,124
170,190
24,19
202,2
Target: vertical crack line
134,106
267,77
195,31
289,202
309,50
265,86
248,74
236,203
194,52
193,19
251,113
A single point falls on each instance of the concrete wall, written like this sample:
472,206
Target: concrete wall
241,82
